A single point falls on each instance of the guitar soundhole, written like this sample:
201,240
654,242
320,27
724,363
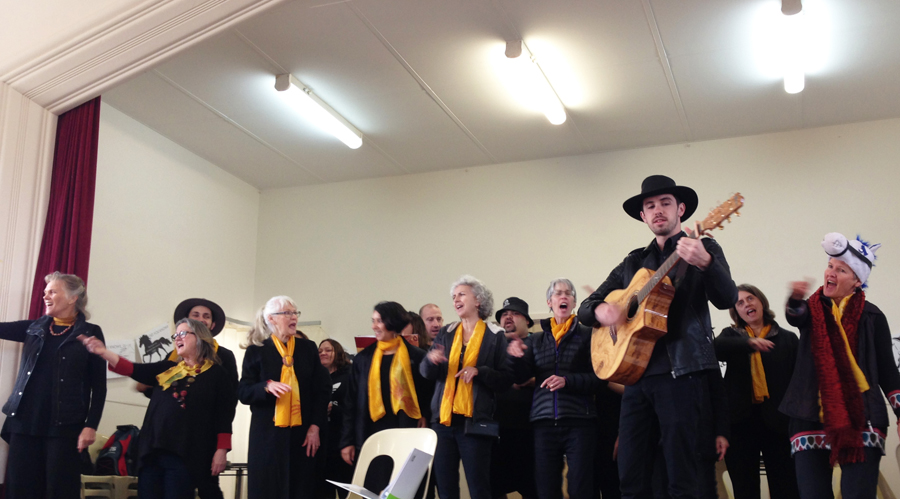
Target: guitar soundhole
632,307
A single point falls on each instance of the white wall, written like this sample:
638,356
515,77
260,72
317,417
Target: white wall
168,225
340,248
26,156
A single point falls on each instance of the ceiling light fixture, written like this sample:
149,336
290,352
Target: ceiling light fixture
316,110
794,27
532,76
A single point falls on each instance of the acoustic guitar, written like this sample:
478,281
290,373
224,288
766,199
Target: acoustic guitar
620,353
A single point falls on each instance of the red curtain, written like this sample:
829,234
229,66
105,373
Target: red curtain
66,244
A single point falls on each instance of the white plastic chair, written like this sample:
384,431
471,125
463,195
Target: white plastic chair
396,443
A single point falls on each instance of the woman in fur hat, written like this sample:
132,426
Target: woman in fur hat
837,412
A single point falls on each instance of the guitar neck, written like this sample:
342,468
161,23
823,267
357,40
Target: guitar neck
658,276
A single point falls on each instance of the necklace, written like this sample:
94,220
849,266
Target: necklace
64,331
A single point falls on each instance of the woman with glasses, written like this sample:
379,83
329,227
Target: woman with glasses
563,410
384,386
468,363
187,428
288,391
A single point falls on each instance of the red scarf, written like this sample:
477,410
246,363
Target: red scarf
842,402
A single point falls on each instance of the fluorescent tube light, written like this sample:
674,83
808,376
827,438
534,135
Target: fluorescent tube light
316,110
795,32
532,77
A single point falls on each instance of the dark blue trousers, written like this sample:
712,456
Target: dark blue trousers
578,445
164,475
858,480
43,467
661,411
475,452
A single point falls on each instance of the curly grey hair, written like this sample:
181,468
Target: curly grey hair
561,280
483,295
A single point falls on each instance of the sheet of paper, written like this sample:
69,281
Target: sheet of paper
124,349
155,345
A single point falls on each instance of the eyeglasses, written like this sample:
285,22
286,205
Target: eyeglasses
181,334
566,292
288,313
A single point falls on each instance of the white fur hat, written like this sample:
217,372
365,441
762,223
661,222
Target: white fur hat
858,254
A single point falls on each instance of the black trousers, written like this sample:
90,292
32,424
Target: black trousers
512,463
578,445
674,406
858,480
43,467
748,439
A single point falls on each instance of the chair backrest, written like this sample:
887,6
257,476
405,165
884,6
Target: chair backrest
396,443
95,447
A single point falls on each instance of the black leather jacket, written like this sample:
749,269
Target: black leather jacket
690,334
80,391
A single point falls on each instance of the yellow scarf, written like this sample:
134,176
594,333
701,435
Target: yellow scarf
180,371
68,321
403,389
757,374
838,312
457,397
287,409
559,330
173,356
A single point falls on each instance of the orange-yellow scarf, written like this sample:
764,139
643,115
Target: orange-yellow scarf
559,330
838,312
287,408
403,389
457,397
180,371
757,374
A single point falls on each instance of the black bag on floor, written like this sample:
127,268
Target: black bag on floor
119,455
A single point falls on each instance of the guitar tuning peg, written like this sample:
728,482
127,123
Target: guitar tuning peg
723,228
729,219
737,212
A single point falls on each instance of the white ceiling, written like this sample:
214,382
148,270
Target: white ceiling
416,77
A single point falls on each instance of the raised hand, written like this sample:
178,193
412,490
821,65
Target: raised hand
436,355
516,347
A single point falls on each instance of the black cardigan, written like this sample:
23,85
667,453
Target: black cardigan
269,451
494,371
356,401
193,431
733,347
874,357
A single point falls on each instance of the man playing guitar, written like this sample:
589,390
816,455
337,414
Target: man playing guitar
664,406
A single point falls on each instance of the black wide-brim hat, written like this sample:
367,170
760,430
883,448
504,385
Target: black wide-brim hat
184,309
516,305
654,185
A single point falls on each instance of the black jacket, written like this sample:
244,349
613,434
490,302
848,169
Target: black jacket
690,334
874,356
188,426
269,451
733,347
79,392
357,421
571,360
494,371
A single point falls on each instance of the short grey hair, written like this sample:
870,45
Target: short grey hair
74,286
561,280
483,295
